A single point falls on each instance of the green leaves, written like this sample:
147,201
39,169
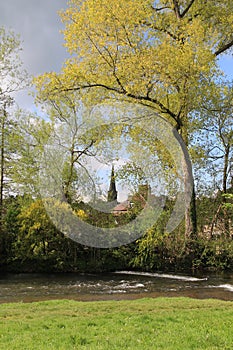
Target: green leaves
159,54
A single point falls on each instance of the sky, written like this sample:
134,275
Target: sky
39,25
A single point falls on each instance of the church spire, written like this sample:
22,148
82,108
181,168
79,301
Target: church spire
112,192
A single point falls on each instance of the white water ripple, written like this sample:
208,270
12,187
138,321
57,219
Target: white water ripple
163,275
226,286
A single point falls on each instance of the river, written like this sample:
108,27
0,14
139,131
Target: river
113,286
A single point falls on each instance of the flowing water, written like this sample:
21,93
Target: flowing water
115,286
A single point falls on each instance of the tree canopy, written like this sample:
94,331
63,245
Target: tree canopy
159,53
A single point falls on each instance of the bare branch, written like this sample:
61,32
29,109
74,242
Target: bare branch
187,8
224,48
177,9
98,50
162,107
84,151
164,30
157,9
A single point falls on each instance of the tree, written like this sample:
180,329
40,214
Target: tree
6,150
12,78
214,143
157,53
74,139
37,238
31,135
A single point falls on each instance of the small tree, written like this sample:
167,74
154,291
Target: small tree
12,78
214,145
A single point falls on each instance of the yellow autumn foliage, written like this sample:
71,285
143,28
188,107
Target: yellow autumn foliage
159,53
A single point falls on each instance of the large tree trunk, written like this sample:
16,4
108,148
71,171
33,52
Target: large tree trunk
190,196
191,216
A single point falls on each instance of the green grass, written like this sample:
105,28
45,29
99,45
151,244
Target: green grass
163,323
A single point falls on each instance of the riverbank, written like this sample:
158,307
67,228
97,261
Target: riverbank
160,323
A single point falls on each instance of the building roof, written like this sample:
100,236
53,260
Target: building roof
121,207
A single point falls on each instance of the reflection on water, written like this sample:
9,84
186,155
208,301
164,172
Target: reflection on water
119,285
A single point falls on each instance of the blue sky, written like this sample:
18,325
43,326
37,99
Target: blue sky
226,64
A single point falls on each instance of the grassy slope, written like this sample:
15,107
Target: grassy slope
163,323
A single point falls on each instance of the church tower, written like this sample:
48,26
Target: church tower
112,192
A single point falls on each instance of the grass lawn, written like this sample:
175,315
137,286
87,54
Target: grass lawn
162,323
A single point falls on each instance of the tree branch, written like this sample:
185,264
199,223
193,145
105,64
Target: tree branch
157,9
163,108
177,9
187,9
224,48
84,151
